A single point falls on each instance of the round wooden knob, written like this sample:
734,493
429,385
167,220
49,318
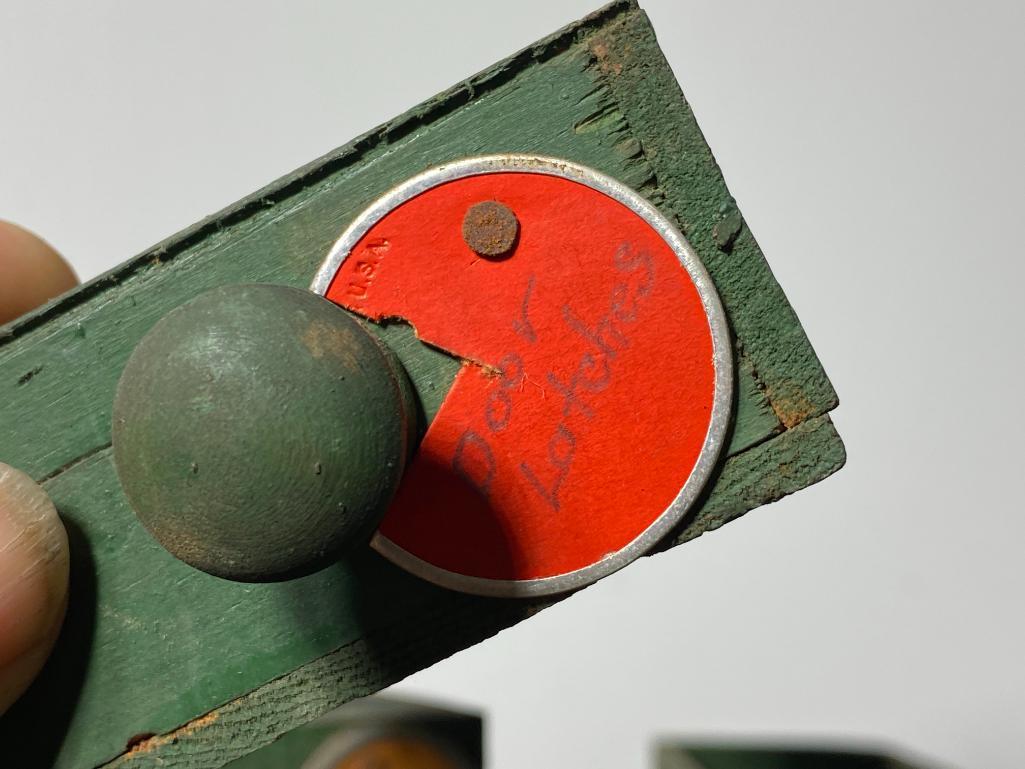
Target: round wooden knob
260,431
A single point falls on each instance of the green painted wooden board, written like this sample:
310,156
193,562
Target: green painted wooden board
458,734
215,669
741,756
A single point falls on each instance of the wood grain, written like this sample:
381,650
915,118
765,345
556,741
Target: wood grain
425,633
215,668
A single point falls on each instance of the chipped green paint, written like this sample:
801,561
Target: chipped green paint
765,324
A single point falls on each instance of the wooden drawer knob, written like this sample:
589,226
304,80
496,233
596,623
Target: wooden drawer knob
260,431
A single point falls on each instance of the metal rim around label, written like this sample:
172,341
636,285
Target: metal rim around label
721,354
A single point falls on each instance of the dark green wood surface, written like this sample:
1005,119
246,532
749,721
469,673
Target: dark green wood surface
459,734
741,756
215,668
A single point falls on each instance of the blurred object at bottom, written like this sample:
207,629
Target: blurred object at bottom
672,754
377,733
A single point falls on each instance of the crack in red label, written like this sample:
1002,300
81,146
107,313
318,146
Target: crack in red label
597,393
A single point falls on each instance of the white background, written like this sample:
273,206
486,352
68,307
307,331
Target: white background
876,151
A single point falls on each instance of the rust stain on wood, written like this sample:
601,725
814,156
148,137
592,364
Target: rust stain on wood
792,408
603,56
153,743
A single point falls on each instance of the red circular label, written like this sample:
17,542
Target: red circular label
588,381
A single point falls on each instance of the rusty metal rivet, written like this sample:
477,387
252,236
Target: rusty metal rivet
490,229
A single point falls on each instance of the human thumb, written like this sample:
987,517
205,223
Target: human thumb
33,581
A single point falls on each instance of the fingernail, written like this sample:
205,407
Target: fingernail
33,579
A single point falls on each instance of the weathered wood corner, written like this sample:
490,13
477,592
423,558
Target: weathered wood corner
162,665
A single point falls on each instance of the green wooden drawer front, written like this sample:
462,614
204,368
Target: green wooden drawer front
215,668
773,757
322,743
